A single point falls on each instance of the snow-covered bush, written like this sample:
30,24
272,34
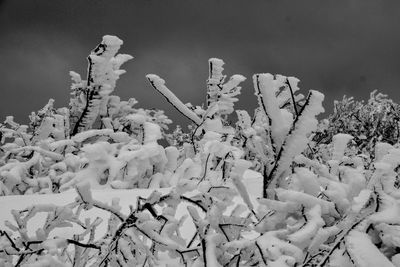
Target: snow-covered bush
98,138
327,203
377,120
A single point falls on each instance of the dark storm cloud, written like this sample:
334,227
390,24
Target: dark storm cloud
337,47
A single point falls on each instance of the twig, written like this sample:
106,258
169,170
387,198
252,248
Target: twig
159,84
262,254
74,242
293,99
205,168
4,233
203,245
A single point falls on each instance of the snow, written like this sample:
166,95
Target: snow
159,85
339,144
363,252
211,249
360,201
389,234
240,166
390,210
278,248
111,40
234,81
81,137
226,95
266,87
46,261
331,204
215,78
396,260
306,200
303,237
306,181
54,244
76,77
381,149
297,139
136,118
103,73
127,198
216,70
83,190
152,133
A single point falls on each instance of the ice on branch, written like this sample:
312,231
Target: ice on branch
103,73
314,222
297,138
340,143
219,93
266,89
159,85
363,252
215,78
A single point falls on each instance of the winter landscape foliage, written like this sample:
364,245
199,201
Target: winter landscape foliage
326,192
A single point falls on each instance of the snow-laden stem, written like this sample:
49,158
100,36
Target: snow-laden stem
215,79
297,138
159,85
293,99
103,72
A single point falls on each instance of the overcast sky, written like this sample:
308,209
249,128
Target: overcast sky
337,47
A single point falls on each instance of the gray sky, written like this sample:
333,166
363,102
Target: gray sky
337,47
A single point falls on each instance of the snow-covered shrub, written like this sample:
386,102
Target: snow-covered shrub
326,203
279,130
98,138
346,216
377,120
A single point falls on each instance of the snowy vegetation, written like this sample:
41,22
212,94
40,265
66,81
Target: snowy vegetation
328,196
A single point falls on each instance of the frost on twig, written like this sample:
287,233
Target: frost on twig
220,93
159,85
297,138
266,89
103,72
363,252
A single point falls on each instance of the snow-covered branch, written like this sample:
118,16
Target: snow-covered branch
159,85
